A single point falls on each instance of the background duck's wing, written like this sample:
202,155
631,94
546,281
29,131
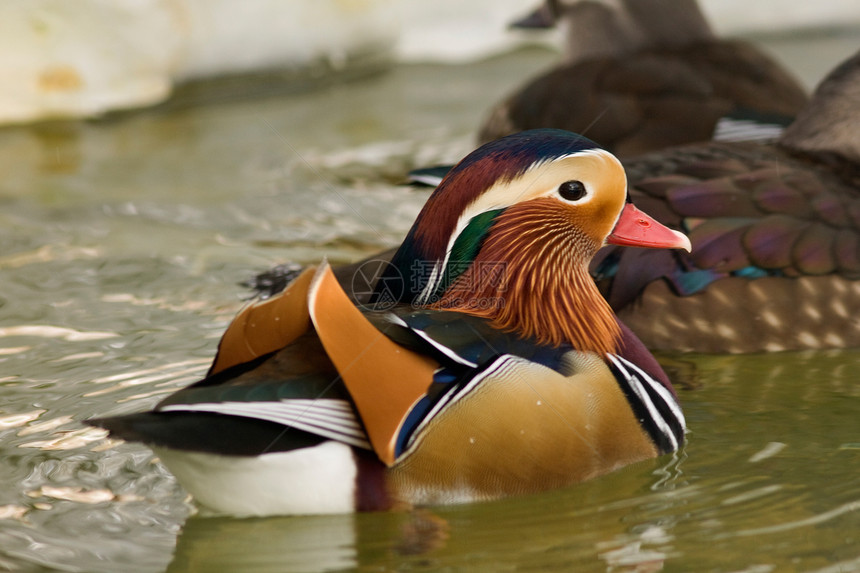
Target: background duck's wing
749,210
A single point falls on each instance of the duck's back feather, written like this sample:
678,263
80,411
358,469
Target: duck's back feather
750,211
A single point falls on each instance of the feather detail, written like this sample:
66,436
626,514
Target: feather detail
813,252
265,326
465,248
846,248
371,369
540,287
333,419
776,197
716,198
830,209
769,241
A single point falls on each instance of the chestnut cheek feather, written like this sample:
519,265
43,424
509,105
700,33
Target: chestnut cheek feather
547,276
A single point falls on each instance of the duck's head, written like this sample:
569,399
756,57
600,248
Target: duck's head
614,28
669,24
592,28
509,233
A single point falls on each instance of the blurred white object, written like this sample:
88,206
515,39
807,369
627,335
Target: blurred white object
733,17
80,58
458,31
454,31
226,36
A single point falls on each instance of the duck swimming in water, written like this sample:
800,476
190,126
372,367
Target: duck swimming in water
485,363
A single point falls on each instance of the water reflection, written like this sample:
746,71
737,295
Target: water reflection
768,482
543,532
291,544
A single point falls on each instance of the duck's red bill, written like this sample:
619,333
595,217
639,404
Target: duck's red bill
636,229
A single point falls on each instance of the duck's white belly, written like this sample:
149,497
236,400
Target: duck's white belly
315,480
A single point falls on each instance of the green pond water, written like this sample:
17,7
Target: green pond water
122,243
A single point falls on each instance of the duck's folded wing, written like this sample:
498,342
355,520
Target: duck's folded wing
265,326
279,401
228,434
251,409
653,404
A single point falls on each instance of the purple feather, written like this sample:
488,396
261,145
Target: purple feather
753,179
831,210
813,252
636,269
659,186
717,244
846,249
776,197
717,198
770,242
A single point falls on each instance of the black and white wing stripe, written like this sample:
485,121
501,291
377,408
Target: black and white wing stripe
329,418
438,346
654,405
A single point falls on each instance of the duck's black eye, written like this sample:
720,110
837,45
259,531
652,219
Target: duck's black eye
572,190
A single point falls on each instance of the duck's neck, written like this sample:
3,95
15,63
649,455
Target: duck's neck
597,30
531,277
670,23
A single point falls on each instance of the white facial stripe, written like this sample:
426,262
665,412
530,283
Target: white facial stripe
539,180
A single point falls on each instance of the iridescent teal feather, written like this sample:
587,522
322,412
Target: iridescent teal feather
466,247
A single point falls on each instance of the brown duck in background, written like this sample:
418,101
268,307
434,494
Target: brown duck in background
775,229
642,75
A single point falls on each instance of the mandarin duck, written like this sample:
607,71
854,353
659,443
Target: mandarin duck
484,364
648,74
